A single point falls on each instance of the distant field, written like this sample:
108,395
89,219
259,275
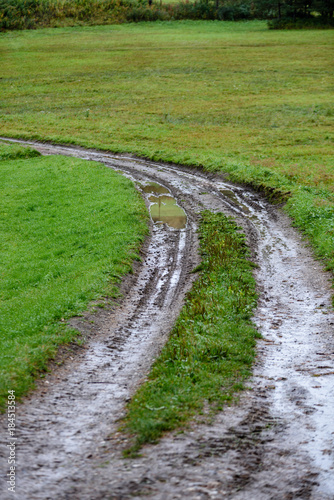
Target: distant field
213,93
69,229
227,96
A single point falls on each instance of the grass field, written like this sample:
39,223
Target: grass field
211,93
69,230
232,97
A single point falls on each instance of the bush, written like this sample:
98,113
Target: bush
142,13
302,23
195,10
30,14
234,12
16,14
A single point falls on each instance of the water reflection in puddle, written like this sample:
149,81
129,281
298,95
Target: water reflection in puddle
155,188
163,206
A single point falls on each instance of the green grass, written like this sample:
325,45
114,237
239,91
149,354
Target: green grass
69,230
231,97
15,152
215,92
211,93
211,347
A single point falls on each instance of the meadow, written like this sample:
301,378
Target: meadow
233,97
69,230
210,93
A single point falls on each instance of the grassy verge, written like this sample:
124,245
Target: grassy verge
69,230
211,347
16,152
310,206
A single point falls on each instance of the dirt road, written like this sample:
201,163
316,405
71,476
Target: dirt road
276,443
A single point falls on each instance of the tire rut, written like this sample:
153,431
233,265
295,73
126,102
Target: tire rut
276,443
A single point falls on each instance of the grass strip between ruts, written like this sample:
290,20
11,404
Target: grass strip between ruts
69,230
211,347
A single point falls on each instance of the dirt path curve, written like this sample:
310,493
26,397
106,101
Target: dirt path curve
277,443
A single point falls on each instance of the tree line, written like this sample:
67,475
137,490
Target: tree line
281,14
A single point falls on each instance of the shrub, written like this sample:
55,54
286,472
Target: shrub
302,23
30,14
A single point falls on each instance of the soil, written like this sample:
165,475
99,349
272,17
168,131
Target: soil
276,442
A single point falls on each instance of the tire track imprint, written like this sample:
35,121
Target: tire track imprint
276,443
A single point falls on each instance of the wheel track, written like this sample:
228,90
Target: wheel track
288,412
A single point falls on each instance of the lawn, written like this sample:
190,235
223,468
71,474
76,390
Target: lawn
69,230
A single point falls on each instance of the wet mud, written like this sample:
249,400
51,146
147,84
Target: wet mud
276,442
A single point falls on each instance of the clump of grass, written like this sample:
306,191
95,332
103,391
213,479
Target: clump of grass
70,229
211,347
15,151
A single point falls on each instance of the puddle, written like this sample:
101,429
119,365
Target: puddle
155,188
163,207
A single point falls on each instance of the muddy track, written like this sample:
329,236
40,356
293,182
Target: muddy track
276,443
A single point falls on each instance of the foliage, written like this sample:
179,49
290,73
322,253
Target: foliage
30,14
301,23
69,230
211,347
296,14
